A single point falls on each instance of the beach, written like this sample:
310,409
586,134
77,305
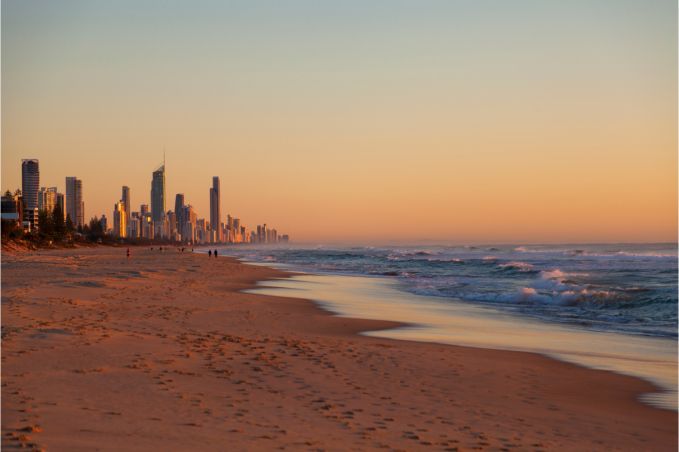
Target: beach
164,350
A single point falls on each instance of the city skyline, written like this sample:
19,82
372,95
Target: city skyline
362,123
180,226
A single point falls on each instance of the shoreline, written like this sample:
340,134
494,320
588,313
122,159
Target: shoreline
454,322
256,371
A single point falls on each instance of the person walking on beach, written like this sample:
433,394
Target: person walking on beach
128,253
209,253
215,253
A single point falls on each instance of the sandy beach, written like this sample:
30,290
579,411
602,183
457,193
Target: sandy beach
163,351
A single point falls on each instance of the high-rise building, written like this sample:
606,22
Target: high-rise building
237,238
126,203
11,207
134,227
179,212
61,202
189,227
158,194
201,231
30,184
119,220
47,199
172,224
103,221
161,229
146,228
214,210
42,198
146,224
75,207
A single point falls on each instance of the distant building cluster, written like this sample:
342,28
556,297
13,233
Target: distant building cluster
179,225
24,206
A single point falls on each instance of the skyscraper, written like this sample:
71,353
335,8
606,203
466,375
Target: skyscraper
75,207
214,210
30,184
134,228
172,225
236,227
158,194
146,229
119,220
190,219
126,203
61,202
179,212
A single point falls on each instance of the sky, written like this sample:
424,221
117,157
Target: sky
455,121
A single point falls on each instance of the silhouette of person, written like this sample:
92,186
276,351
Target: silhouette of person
128,253
209,253
215,253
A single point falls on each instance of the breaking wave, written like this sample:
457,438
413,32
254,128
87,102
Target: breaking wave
629,289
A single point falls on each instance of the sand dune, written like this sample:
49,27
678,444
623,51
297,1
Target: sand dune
163,352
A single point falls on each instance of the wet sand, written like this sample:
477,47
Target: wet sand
163,351
456,322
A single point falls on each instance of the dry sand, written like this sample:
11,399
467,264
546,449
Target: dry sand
162,352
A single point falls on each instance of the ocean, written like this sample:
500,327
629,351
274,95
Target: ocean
622,288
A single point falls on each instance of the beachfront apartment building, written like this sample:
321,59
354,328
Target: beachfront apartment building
30,182
47,198
119,220
61,202
172,225
179,212
75,207
134,226
127,203
189,227
30,185
158,195
215,214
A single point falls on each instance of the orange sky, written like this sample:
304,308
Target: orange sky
453,122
